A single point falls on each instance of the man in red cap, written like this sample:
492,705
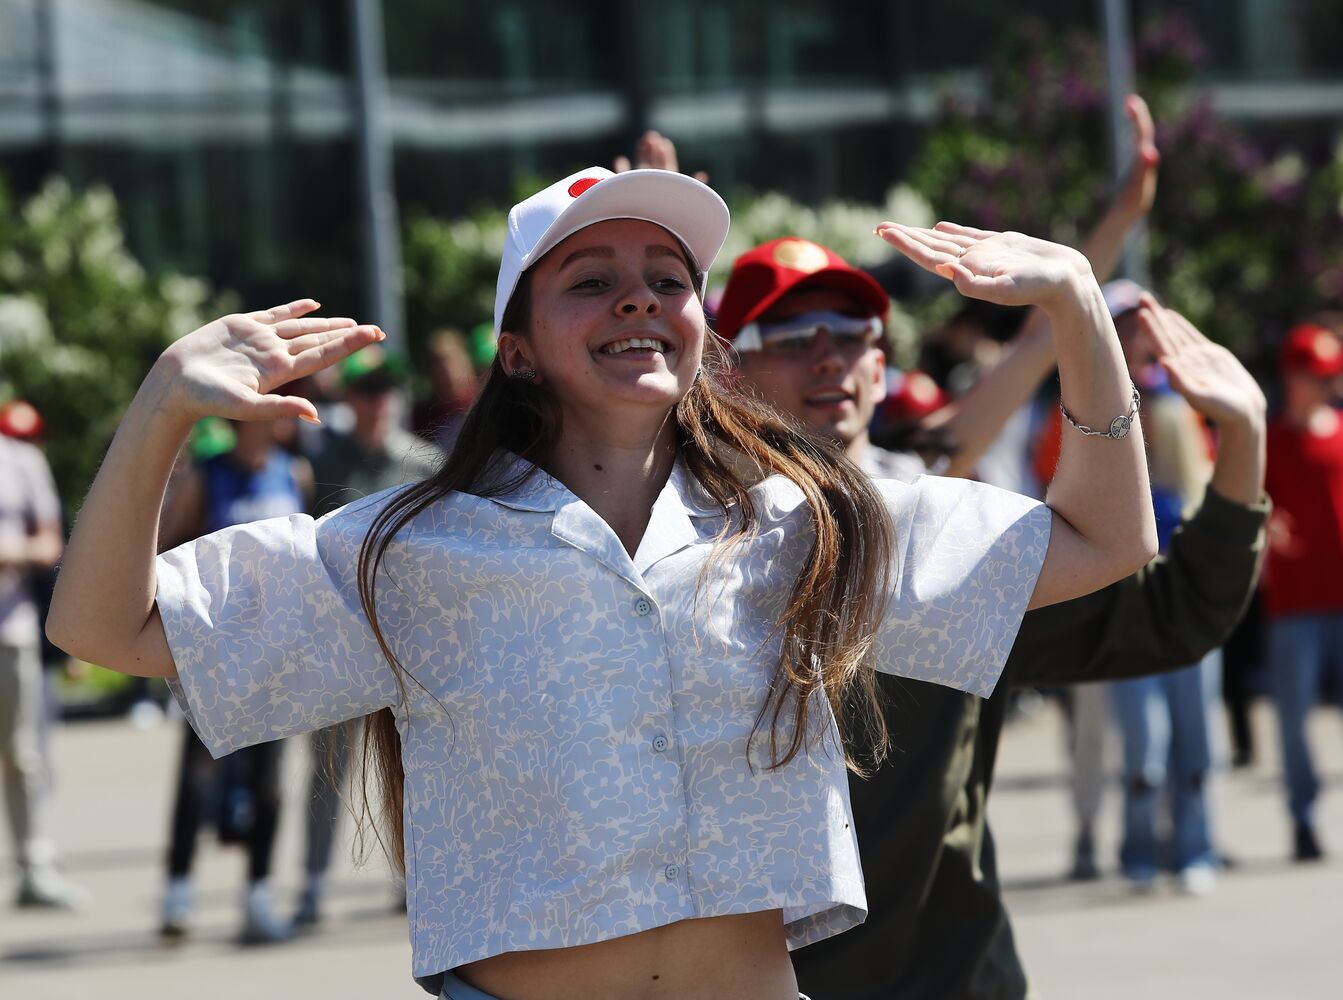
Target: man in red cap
1303,585
807,328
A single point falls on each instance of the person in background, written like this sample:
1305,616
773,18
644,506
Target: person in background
454,385
253,480
31,541
926,849
374,454
801,321
1165,719
1303,585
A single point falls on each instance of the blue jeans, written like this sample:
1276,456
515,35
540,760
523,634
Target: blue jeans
1301,649
1165,727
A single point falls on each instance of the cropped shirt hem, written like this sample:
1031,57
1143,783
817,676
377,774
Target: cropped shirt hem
813,911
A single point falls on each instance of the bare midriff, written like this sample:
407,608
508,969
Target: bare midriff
744,956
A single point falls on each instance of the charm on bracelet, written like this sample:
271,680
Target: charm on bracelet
1119,426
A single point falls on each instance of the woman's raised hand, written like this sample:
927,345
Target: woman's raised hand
229,367
1007,268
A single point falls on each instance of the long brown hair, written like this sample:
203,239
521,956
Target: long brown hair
828,624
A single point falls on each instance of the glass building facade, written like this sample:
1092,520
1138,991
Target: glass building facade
228,129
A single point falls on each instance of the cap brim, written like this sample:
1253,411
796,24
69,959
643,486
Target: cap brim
859,284
688,209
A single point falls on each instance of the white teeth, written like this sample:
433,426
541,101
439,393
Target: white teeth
633,344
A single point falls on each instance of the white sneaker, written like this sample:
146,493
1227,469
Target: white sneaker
43,887
1198,879
176,912
260,924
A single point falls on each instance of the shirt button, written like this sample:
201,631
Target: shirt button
673,872
643,606
660,743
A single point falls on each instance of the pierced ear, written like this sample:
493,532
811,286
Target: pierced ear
513,354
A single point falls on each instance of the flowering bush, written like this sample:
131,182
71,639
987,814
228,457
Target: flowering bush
81,321
1246,234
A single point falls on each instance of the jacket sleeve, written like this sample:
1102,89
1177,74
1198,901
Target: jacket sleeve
1168,615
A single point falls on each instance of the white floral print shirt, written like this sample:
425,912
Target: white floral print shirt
575,750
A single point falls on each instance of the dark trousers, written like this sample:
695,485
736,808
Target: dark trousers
261,768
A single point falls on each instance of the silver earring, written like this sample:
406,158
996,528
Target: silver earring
523,374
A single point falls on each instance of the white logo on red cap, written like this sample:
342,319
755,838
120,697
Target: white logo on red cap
581,185
800,255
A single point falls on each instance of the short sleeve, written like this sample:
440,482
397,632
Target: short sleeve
967,558
266,630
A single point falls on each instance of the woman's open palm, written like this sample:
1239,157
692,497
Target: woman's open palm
230,367
1007,268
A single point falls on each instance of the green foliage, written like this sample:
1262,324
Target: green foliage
81,321
1246,238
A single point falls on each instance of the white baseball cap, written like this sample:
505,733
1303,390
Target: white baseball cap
689,210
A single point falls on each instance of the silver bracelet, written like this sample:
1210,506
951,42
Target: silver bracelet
1119,426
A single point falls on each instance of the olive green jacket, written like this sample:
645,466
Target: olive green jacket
937,928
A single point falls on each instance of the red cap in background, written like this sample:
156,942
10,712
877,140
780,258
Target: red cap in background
21,420
1311,349
912,397
765,274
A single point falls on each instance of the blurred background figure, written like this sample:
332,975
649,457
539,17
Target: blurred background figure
1303,577
31,541
374,454
1164,720
252,480
453,387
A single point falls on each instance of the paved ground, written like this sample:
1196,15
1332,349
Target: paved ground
1271,930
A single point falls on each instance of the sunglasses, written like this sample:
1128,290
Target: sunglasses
796,337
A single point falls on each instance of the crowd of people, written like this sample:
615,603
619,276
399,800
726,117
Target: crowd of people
623,614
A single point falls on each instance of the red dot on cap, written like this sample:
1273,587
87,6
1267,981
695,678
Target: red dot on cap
581,185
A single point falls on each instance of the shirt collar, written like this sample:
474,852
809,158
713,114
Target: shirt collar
541,492
670,528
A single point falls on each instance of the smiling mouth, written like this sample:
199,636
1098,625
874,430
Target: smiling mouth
827,398
638,344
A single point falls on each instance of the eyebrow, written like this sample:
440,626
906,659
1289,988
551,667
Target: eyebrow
608,253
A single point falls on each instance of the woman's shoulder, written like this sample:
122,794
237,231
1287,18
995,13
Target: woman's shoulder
444,517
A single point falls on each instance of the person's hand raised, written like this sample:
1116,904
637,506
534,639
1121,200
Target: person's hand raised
1007,268
1207,375
229,367
1138,192
654,151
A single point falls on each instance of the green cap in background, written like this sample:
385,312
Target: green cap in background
211,437
373,369
482,345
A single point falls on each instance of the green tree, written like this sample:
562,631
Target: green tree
81,321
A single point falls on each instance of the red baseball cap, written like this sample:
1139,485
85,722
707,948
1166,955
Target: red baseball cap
913,397
762,276
1312,349
19,419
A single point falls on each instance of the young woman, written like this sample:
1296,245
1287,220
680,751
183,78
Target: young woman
613,628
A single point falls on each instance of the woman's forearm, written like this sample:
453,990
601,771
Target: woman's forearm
1101,488
104,596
